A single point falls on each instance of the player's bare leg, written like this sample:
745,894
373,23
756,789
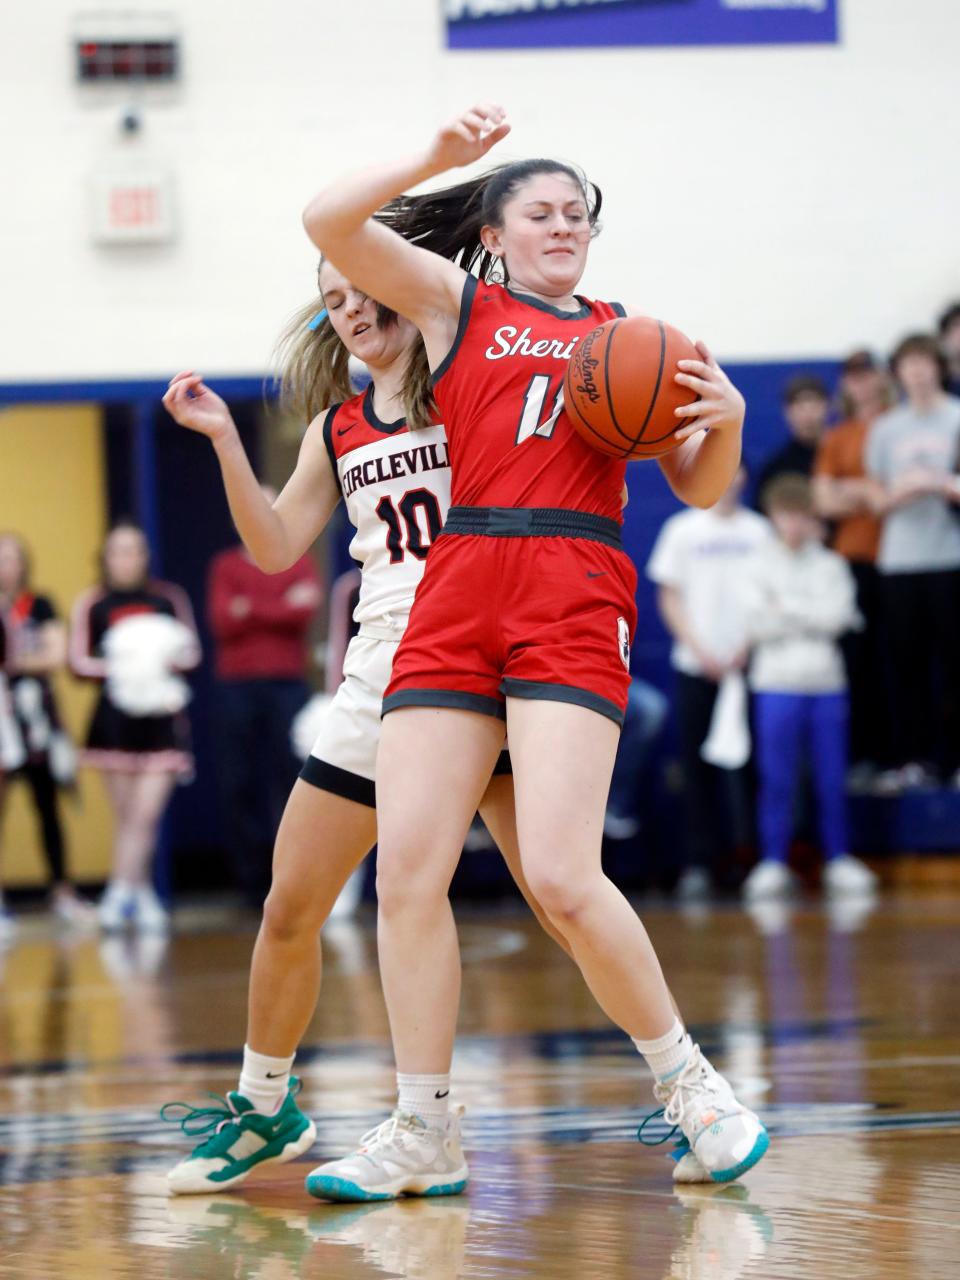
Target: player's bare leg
433,768
138,801
321,840
562,758
498,812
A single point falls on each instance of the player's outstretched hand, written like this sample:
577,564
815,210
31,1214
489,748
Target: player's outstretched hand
468,137
720,404
191,403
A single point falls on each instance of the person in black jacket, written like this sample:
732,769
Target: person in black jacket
37,649
806,403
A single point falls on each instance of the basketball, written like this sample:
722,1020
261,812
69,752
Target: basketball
619,391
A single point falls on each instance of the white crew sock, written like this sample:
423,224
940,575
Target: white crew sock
425,1096
264,1081
667,1055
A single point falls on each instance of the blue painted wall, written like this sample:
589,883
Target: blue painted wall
190,523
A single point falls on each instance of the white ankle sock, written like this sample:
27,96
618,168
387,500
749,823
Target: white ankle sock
264,1081
668,1054
425,1096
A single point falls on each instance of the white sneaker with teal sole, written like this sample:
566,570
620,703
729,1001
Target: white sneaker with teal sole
726,1137
401,1157
241,1139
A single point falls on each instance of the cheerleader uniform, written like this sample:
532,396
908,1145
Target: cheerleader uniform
117,741
39,726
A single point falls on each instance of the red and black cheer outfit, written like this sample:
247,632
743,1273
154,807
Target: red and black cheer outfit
117,741
38,723
527,593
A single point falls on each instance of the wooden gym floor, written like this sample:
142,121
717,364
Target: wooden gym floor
841,1027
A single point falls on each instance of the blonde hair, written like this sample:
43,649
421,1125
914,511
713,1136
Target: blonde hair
16,541
315,367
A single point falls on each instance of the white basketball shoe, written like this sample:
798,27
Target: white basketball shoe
402,1156
725,1138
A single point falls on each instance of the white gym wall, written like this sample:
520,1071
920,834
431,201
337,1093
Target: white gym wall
781,202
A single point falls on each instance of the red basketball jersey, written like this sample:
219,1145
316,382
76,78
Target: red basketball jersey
500,394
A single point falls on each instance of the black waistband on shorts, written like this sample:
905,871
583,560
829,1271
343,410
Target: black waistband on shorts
532,522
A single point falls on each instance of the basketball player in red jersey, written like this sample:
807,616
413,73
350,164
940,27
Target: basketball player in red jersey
523,618
395,484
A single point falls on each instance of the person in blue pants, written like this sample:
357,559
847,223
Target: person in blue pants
798,599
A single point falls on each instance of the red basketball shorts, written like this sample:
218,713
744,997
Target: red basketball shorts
520,603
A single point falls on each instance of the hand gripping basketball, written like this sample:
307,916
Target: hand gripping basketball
619,392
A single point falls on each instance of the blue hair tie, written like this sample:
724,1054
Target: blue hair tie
318,319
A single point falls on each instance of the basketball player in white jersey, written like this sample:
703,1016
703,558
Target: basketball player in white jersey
396,486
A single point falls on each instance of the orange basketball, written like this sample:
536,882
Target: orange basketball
619,391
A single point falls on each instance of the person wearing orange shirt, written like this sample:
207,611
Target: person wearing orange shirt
846,496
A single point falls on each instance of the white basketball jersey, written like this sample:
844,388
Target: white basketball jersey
396,486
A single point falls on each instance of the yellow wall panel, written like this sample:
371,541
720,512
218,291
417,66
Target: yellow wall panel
53,492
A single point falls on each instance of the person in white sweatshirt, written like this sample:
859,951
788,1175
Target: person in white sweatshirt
797,600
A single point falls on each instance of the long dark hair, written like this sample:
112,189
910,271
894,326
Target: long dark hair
129,524
315,366
448,222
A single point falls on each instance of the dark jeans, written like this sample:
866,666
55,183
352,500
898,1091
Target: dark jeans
866,658
43,791
922,613
257,769
716,802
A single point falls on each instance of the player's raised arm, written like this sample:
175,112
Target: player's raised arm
276,535
419,284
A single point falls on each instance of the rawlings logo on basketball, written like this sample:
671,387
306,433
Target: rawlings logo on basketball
583,369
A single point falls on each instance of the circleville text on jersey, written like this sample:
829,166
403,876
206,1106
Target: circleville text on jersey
396,487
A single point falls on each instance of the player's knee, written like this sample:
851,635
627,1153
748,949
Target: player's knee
561,897
404,882
288,916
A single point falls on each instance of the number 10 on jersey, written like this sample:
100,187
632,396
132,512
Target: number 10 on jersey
404,532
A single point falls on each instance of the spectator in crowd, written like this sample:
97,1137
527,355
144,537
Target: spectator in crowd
38,648
260,624
845,495
134,634
949,327
643,722
696,561
806,404
9,756
797,599
912,452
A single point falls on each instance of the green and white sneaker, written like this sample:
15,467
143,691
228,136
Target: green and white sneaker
241,1139
401,1157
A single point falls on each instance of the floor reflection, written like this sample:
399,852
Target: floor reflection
840,1025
